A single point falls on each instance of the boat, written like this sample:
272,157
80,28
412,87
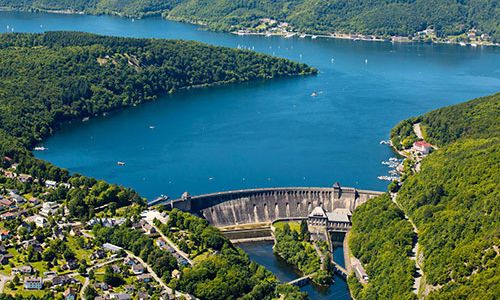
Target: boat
462,44
268,34
314,94
120,163
385,142
314,37
289,35
151,127
302,36
41,148
366,61
473,45
85,119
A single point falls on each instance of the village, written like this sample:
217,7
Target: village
44,251
270,27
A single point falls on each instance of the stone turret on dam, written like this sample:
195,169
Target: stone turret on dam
267,205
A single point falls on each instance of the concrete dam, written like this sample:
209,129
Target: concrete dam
267,205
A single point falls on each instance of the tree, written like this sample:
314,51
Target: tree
90,293
305,235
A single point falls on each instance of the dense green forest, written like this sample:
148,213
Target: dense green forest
454,200
382,240
48,79
392,17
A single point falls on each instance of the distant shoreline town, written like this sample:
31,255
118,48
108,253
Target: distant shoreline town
269,27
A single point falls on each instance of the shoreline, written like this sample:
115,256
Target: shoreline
359,37
242,32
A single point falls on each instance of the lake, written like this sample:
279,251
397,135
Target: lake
269,133
265,133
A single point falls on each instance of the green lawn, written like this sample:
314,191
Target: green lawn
294,225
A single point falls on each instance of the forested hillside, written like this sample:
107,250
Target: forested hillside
454,202
47,79
382,240
393,17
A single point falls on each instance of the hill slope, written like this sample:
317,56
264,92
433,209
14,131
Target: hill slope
454,201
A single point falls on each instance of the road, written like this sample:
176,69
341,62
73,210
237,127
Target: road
3,281
94,267
173,245
414,250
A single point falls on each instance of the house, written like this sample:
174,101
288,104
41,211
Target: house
130,261
33,283
18,199
101,285
24,178
61,280
34,201
142,296
422,147
48,208
69,294
137,269
7,204
129,288
4,234
8,216
50,184
144,278
148,229
111,247
72,264
4,258
25,270
121,296
176,274
98,254
39,221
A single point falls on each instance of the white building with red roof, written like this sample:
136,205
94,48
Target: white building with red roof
422,147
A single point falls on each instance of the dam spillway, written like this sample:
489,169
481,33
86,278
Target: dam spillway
267,205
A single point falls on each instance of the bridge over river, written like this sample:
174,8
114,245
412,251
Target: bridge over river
265,205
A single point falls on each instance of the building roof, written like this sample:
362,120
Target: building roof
346,211
318,211
422,144
337,217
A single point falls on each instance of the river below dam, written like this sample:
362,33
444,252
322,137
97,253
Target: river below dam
265,134
262,253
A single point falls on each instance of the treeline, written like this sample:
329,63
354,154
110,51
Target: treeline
227,272
453,201
48,79
393,17
382,240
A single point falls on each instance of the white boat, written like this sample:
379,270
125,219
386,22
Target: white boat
268,34
314,37
302,36
151,127
120,163
289,35
473,45
366,61
85,119
40,148
314,94
462,44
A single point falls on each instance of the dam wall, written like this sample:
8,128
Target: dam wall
269,204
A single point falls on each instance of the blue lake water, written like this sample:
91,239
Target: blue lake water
265,133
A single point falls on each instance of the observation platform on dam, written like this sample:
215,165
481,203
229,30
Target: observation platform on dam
266,205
